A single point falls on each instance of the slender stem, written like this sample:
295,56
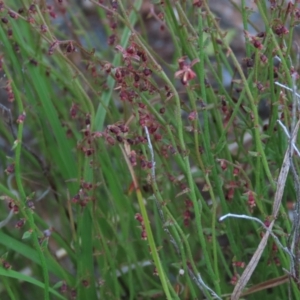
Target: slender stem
253,103
28,215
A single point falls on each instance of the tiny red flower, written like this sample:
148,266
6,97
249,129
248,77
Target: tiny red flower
12,14
10,169
21,118
251,199
20,223
197,3
6,265
44,28
234,279
192,116
144,235
132,158
223,164
280,30
230,194
139,218
128,53
64,287
52,47
236,171
185,72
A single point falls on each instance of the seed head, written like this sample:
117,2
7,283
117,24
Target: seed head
20,223
85,283
4,20
111,40
73,294
10,169
263,59
30,20
110,140
70,47
32,9
132,158
144,235
234,279
13,15
139,218
251,199
129,53
33,62
6,265
223,164
197,3
64,287
119,139
44,28
236,171
52,47
192,116
73,111
30,204
280,30
147,72
9,33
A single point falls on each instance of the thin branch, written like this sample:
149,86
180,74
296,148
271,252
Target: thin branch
151,152
245,277
7,219
288,135
285,249
295,234
158,205
287,88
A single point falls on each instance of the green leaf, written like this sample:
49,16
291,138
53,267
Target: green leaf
31,254
27,234
22,277
253,153
151,293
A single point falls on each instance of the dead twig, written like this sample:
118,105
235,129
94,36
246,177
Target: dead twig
245,277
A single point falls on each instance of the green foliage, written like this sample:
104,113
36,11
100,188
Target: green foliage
117,161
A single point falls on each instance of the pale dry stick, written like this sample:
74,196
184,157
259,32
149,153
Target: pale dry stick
296,215
126,152
294,231
245,277
9,121
294,245
7,219
203,285
285,249
153,180
274,282
151,152
293,234
288,135
295,107
287,88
